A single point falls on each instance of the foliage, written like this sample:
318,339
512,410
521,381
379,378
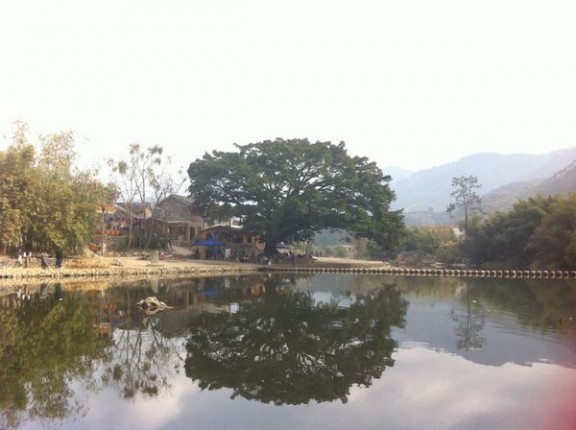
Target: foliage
504,237
465,197
428,239
423,245
45,203
539,232
18,181
286,190
553,242
286,348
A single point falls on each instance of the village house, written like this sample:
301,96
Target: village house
177,219
117,218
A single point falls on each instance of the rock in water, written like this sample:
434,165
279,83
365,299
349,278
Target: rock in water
152,303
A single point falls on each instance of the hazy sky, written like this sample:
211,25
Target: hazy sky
411,83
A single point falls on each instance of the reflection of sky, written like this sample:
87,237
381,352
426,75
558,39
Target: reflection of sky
328,298
519,380
431,322
425,389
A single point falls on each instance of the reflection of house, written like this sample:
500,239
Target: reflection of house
176,217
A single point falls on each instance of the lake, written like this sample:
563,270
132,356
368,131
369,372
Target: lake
315,351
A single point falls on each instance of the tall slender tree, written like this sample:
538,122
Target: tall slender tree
466,197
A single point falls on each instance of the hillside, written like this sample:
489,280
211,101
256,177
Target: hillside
503,177
561,182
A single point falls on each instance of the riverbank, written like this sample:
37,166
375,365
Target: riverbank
138,267
106,270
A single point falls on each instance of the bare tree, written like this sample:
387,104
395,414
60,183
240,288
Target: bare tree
163,183
144,176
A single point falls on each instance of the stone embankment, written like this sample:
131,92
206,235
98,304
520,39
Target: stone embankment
404,271
122,267
115,269
137,267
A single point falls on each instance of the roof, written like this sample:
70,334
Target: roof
183,214
183,199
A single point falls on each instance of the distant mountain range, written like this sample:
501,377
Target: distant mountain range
425,194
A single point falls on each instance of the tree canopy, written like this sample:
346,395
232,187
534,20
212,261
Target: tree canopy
45,203
539,232
286,190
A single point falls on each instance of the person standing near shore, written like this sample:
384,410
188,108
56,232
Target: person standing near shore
44,261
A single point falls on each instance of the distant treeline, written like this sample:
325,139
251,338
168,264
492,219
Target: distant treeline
539,232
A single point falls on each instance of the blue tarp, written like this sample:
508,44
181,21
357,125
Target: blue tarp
209,242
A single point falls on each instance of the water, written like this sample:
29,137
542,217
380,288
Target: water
326,351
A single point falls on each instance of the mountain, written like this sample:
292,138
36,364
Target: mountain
561,182
428,191
397,173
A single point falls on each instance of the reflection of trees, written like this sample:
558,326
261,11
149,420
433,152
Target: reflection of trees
541,304
288,349
470,324
48,344
140,359
45,343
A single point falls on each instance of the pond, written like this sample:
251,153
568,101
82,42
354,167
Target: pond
316,351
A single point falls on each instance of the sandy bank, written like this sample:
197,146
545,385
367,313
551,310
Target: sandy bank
118,268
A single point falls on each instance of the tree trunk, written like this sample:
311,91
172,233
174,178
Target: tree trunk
270,248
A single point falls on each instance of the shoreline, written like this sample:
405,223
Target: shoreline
126,269
111,269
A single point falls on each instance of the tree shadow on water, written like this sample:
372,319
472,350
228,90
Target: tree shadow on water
46,341
286,348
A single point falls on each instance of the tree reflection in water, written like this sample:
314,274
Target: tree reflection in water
279,345
142,360
45,342
470,322
49,346
286,348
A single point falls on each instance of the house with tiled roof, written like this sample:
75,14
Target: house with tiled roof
176,218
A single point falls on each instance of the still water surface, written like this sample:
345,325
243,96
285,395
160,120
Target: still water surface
326,351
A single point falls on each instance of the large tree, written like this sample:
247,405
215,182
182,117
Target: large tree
286,190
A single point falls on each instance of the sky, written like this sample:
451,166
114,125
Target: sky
414,83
